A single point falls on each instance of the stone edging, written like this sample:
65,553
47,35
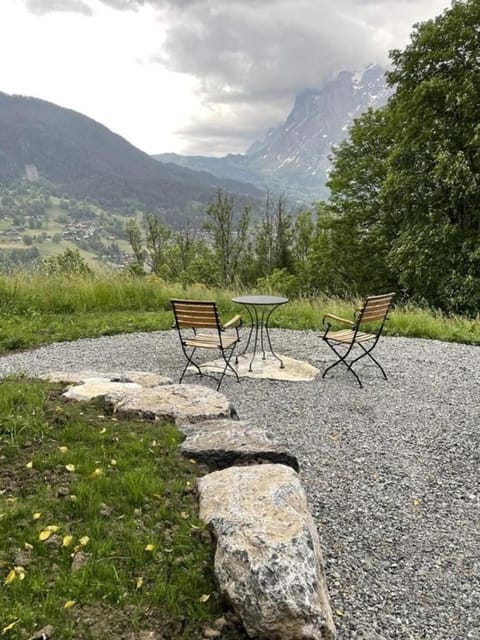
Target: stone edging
268,560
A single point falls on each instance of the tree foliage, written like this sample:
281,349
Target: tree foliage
405,186
150,246
68,263
274,237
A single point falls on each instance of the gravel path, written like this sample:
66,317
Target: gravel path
392,471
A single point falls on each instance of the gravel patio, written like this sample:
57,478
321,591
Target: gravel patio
392,471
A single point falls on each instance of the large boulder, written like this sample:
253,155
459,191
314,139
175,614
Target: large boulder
224,443
268,560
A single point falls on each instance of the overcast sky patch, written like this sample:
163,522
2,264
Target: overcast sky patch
222,70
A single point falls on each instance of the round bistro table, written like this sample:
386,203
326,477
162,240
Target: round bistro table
260,309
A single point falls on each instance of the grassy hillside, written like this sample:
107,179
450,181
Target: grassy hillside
36,225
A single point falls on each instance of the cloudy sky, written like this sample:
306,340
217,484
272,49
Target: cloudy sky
193,76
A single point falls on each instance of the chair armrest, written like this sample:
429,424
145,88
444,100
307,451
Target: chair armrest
337,318
234,322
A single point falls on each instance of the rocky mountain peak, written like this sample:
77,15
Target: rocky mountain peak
293,157
321,117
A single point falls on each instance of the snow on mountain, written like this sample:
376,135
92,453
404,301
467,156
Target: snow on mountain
296,153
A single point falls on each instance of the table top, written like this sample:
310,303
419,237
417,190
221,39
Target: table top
260,300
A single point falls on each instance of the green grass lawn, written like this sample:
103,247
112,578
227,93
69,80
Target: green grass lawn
19,333
99,534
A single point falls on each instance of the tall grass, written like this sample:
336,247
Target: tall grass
36,309
57,294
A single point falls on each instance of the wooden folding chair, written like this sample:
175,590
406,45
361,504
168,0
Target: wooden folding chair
199,327
364,331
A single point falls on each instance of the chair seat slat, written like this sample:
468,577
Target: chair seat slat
211,342
190,323
197,313
384,296
377,304
349,336
370,316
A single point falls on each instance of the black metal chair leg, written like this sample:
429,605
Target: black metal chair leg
368,353
356,376
184,370
228,361
227,366
190,362
332,366
342,359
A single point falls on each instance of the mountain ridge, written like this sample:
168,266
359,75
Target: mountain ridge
85,160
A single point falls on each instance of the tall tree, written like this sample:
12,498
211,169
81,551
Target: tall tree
151,248
302,243
157,236
354,230
229,239
434,173
183,253
274,237
134,237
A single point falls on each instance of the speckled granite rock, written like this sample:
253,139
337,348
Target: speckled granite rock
268,560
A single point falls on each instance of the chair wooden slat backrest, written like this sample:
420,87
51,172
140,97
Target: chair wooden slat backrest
196,314
374,308
199,327
364,331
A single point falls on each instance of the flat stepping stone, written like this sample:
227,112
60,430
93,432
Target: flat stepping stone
223,443
143,378
179,403
97,388
293,370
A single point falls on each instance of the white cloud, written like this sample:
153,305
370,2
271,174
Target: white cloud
202,75
42,7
